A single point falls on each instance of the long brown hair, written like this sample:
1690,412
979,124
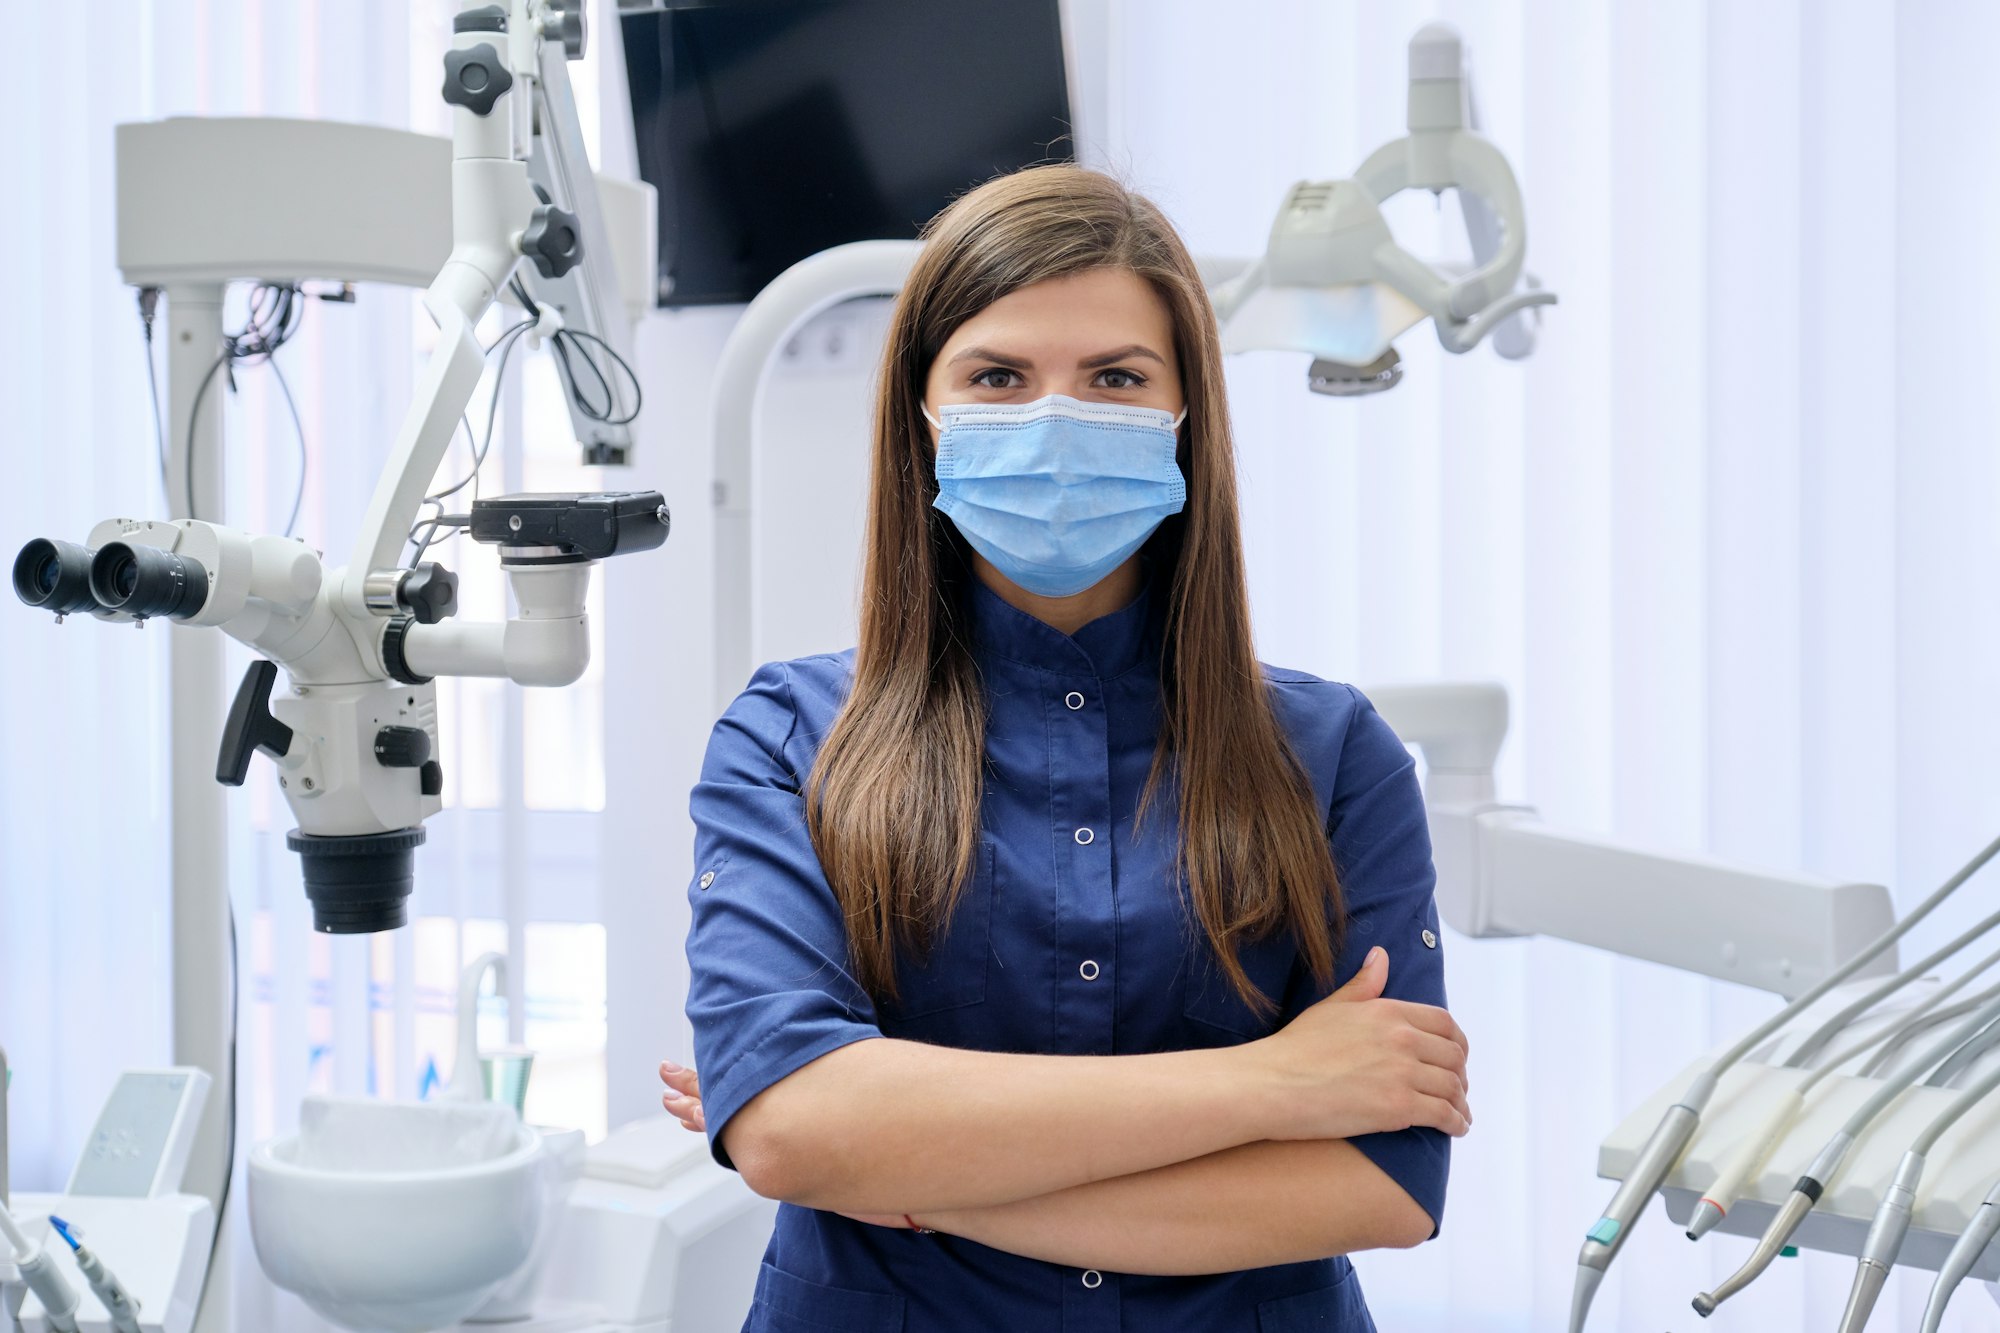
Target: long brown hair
894,797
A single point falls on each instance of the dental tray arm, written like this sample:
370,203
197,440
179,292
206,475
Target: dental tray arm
1501,871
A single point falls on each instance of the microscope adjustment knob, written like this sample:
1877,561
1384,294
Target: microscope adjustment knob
476,78
565,24
552,241
429,593
402,747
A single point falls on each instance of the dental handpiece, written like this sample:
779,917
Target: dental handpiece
1752,1150
1806,1193
59,1299
104,1284
1891,1222
1676,1128
1972,1243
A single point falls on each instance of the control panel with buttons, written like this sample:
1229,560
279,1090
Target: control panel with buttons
139,1147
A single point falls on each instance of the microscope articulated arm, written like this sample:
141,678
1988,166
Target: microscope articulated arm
547,644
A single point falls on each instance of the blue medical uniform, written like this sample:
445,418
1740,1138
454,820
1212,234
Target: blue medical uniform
1071,940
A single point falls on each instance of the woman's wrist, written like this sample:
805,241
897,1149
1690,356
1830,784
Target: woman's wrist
1253,1084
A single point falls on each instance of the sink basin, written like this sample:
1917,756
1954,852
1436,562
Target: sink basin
397,1217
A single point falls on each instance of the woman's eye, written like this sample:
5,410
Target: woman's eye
1006,378
1121,379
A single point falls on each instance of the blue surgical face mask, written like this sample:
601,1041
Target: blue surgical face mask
1057,493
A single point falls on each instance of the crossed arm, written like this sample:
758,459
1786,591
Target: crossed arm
1181,1162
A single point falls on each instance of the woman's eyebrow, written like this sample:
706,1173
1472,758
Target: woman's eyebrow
997,358
1104,359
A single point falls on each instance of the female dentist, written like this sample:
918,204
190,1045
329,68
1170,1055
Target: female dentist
1017,930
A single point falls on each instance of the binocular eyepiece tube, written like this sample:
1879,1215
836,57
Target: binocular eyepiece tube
139,581
146,581
55,576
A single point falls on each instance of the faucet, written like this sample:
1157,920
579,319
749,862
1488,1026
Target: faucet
466,1083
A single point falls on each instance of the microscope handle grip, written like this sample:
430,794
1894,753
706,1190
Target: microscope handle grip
250,726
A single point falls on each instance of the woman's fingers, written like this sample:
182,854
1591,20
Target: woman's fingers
680,1078
1448,1116
1432,1019
1441,1085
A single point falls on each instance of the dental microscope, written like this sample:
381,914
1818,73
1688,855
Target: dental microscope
353,729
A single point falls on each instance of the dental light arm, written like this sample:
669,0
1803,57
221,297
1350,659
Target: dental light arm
355,736
1333,281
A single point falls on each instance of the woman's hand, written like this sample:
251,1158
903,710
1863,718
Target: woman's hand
1356,1063
683,1095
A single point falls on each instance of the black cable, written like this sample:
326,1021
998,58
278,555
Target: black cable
432,528
228,1109
276,311
562,340
149,300
298,428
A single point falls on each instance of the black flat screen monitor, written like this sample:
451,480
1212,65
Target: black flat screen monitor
774,129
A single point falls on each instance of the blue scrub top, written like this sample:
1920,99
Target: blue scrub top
1071,940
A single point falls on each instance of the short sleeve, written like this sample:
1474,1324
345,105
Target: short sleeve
1380,835
770,988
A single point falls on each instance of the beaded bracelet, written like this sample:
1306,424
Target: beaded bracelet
921,1231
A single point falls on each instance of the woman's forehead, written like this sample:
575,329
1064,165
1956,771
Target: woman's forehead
1070,319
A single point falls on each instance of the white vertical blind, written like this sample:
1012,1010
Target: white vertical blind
1727,538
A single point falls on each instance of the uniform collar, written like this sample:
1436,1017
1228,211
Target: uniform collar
1108,646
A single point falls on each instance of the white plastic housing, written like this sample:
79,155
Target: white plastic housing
157,1247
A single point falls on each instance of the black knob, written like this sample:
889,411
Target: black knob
553,241
429,593
430,778
250,726
565,24
402,747
475,78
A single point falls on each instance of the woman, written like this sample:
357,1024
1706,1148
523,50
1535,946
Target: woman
1016,930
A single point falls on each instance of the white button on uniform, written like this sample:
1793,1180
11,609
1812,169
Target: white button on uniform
707,878
1088,969
1074,700
1085,836
1093,1278
1430,940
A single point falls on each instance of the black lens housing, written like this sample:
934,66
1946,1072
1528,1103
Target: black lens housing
55,576
358,884
147,581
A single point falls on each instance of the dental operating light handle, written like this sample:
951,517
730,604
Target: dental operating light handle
1971,1243
1597,1256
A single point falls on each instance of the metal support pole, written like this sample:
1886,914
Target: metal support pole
201,947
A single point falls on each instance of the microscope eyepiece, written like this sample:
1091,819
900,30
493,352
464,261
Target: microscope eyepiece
147,581
54,576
